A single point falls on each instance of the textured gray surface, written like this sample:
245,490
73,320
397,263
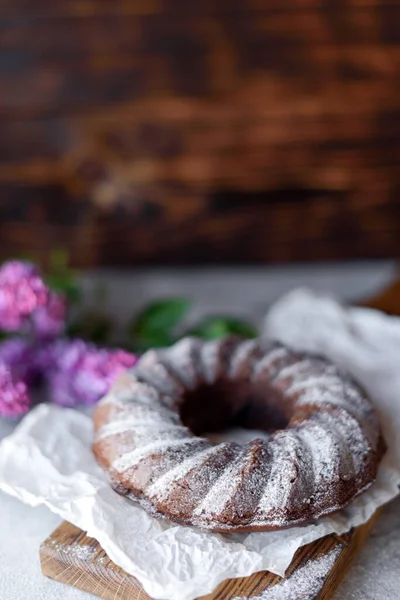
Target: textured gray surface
376,572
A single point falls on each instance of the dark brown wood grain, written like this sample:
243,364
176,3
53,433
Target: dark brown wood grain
168,132
70,557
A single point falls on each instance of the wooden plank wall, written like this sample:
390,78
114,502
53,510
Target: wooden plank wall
170,131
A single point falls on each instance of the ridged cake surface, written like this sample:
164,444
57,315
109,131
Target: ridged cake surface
323,449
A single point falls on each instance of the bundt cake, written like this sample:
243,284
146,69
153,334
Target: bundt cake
323,449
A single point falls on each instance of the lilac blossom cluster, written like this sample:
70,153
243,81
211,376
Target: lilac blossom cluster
22,293
75,371
14,396
81,373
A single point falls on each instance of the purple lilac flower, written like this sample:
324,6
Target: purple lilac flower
81,373
77,372
49,320
14,397
22,291
27,304
19,356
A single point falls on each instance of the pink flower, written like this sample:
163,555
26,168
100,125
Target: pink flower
26,302
76,372
49,320
14,397
21,292
81,373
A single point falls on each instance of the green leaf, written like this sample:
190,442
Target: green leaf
64,284
61,278
212,328
160,317
152,339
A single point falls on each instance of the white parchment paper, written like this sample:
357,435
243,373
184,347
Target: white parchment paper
47,460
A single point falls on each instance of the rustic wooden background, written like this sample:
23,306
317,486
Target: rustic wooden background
172,131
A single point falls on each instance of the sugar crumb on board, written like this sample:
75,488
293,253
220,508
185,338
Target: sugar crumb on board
305,583
75,550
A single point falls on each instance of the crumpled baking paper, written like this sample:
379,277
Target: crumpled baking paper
48,460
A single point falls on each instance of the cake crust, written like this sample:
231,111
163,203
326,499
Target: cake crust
323,450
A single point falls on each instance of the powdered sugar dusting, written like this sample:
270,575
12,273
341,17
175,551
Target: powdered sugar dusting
324,451
161,488
145,412
129,459
139,427
127,388
283,474
296,369
284,479
305,583
181,359
269,359
328,389
210,360
345,398
354,443
155,374
320,380
241,359
75,550
223,489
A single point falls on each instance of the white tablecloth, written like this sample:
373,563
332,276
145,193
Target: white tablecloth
376,571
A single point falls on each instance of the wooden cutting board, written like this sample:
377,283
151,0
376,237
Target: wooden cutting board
69,556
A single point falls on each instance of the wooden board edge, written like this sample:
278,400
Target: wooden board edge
258,583
352,547
62,559
70,557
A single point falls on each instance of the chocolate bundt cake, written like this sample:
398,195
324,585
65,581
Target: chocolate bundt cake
323,449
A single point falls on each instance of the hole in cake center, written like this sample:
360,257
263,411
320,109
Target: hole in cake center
226,404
